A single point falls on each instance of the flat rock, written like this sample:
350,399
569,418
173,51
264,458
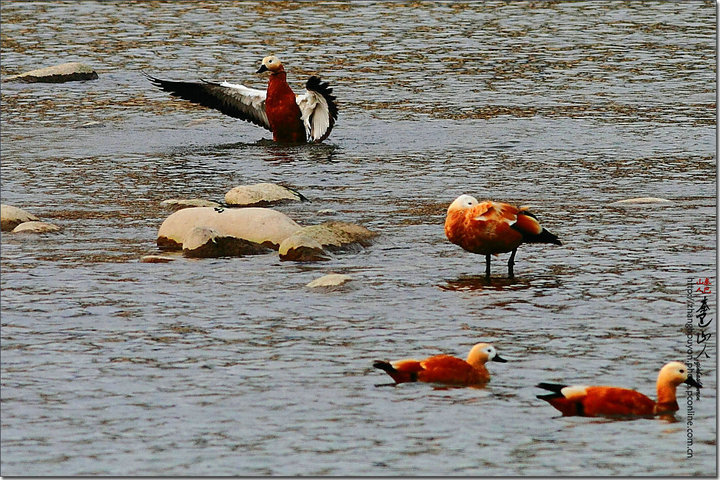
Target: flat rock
265,226
179,203
330,280
11,217
203,242
36,227
261,194
156,259
313,243
66,72
641,200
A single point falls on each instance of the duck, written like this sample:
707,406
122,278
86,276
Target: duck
305,118
444,369
603,401
489,228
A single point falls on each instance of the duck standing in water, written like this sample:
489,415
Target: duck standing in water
305,118
489,228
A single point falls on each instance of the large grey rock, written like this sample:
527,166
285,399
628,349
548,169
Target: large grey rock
36,227
261,194
313,243
11,217
66,72
203,242
260,225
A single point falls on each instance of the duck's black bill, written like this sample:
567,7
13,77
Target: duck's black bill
692,382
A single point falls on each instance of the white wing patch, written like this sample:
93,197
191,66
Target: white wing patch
251,97
574,391
315,114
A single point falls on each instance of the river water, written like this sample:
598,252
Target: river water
232,366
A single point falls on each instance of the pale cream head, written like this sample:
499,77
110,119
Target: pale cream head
673,373
463,202
481,353
272,63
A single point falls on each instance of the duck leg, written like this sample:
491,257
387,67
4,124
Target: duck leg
487,267
511,263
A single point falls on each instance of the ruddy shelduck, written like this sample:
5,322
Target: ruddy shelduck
444,369
291,118
488,228
601,401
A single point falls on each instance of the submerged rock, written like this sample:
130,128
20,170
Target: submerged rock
313,243
259,225
36,227
641,200
11,217
302,248
156,259
179,203
261,194
330,280
66,72
203,242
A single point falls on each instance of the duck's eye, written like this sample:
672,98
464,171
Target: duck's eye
682,371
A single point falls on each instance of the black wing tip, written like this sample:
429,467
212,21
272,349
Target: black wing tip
323,88
314,82
550,237
553,387
173,86
383,365
166,85
154,80
544,237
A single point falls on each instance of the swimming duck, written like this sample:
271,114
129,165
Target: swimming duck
444,369
594,401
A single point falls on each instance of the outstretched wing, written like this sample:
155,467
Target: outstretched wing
318,109
231,99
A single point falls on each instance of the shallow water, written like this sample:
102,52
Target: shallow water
232,366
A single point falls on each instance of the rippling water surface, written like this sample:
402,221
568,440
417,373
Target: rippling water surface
232,366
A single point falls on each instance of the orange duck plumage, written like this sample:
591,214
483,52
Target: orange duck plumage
603,401
444,369
308,117
488,228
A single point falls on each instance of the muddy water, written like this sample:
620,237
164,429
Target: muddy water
232,366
